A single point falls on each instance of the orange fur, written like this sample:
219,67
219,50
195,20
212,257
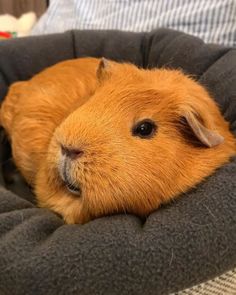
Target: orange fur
69,105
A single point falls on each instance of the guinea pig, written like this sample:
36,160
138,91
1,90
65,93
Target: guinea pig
94,137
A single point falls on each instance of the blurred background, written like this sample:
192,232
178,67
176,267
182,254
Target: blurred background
214,21
18,17
18,7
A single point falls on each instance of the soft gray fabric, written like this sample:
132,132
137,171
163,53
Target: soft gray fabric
182,244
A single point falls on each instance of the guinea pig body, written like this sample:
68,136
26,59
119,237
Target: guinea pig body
95,137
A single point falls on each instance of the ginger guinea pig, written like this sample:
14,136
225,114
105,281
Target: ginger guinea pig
95,137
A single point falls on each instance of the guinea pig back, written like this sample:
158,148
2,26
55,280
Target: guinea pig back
95,137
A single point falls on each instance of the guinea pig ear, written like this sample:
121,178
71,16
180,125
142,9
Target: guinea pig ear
206,136
103,70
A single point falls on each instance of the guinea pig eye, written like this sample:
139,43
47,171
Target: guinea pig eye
144,129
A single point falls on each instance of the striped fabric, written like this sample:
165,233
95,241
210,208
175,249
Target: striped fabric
222,285
212,20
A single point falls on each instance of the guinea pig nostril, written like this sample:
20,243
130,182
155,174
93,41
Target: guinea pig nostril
71,153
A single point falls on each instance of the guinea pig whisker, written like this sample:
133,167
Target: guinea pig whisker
124,210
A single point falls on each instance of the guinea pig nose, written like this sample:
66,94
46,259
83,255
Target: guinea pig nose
71,153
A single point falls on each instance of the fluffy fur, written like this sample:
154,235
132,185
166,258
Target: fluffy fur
92,106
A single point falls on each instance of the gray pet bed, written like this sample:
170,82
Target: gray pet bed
180,245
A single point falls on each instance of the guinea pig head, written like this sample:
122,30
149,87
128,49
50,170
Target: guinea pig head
142,139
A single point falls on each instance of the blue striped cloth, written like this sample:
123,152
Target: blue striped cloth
212,20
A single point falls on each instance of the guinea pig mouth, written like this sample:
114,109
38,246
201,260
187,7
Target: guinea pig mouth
72,188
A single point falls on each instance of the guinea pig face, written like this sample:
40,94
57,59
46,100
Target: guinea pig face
141,139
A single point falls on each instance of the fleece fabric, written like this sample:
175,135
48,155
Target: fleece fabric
180,245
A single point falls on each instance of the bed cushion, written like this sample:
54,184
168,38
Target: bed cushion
211,20
180,245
